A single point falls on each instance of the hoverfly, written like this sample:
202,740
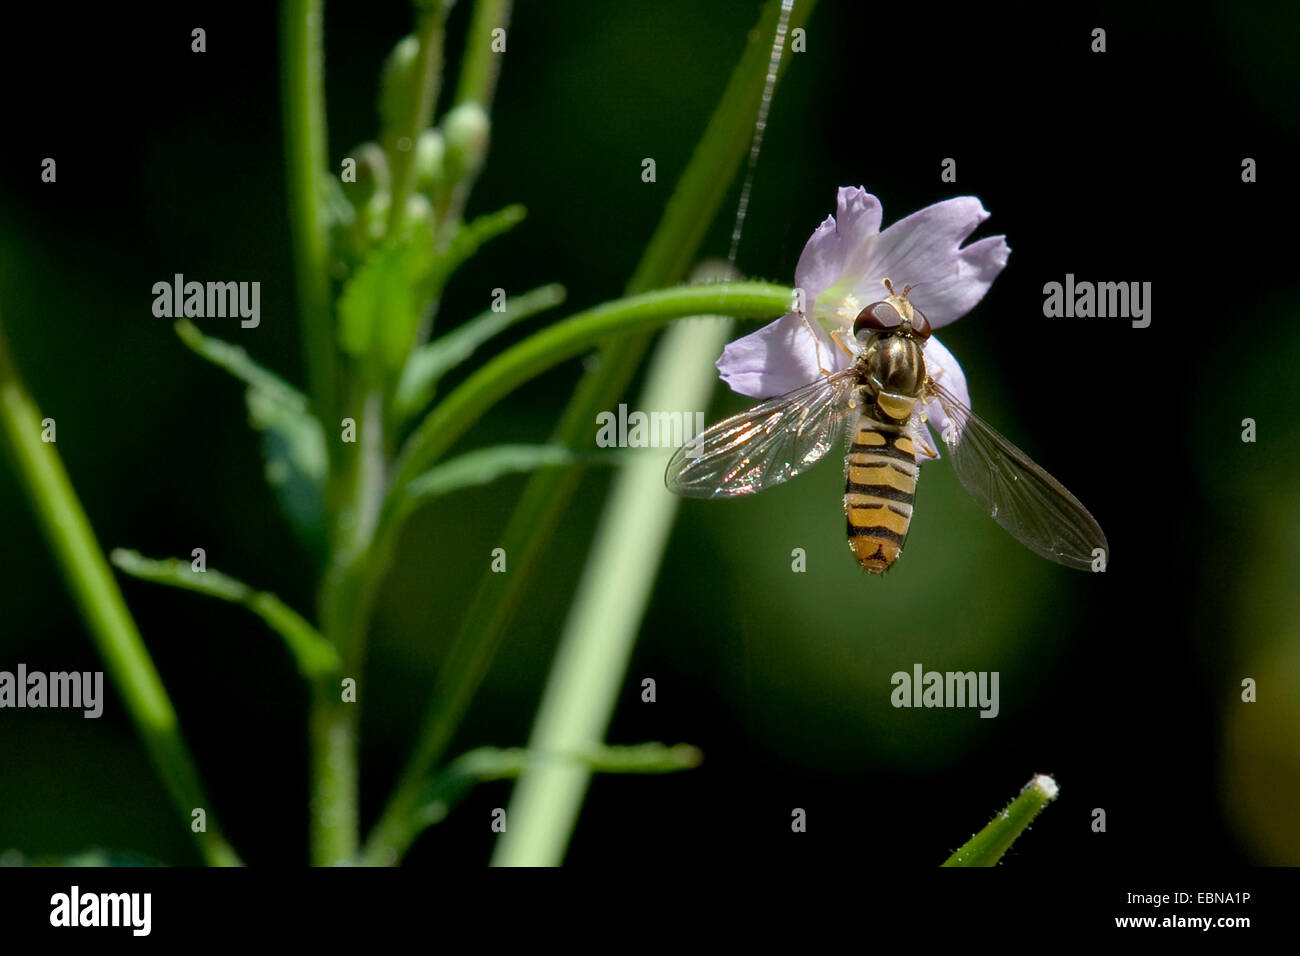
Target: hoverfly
882,393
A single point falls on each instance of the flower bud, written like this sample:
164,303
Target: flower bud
419,213
429,166
372,174
397,88
465,129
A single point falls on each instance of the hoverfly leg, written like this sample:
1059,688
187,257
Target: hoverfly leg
835,334
817,343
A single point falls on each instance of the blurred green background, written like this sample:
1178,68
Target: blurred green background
1123,166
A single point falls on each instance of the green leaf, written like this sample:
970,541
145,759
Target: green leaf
427,364
488,464
314,655
472,236
448,787
293,447
293,444
383,301
237,362
987,847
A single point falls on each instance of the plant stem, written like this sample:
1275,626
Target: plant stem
472,651
672,249
72,540
332,724
478,78
986,847
591,662
481,65
452,417
302,26
430,30
332,732
346,596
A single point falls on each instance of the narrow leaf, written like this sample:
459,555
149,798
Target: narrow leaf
447,788
987,847
469,238
293,445
237,362
314,655
488,464
427,364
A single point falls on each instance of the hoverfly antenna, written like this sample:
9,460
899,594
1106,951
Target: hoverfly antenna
888,285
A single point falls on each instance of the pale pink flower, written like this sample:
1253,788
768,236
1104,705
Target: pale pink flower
841,271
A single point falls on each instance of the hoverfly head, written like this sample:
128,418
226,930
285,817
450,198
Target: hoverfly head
895,313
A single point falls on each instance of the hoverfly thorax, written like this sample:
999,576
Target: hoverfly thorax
891,336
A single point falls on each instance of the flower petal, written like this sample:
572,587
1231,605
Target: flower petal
838,241
924,251
778,358
941,365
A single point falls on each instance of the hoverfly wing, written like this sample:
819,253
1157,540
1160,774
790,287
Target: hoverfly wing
766,445
1019,495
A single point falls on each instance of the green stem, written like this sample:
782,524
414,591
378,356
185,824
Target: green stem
480,68
986,847
302,25
452,417
473,649
591,662
481,65
672,249
346,596
430,31
331,725
72,541
332,732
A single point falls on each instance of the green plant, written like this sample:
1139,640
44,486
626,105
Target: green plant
369,439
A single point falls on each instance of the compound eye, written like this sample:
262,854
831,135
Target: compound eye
920,324
877,317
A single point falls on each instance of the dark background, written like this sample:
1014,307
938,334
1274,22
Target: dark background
1122,166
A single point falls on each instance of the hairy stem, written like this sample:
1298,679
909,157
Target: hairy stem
987,847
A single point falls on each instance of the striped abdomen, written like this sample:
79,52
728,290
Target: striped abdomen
879,489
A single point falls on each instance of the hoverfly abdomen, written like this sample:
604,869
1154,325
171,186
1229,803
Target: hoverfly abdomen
879,491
